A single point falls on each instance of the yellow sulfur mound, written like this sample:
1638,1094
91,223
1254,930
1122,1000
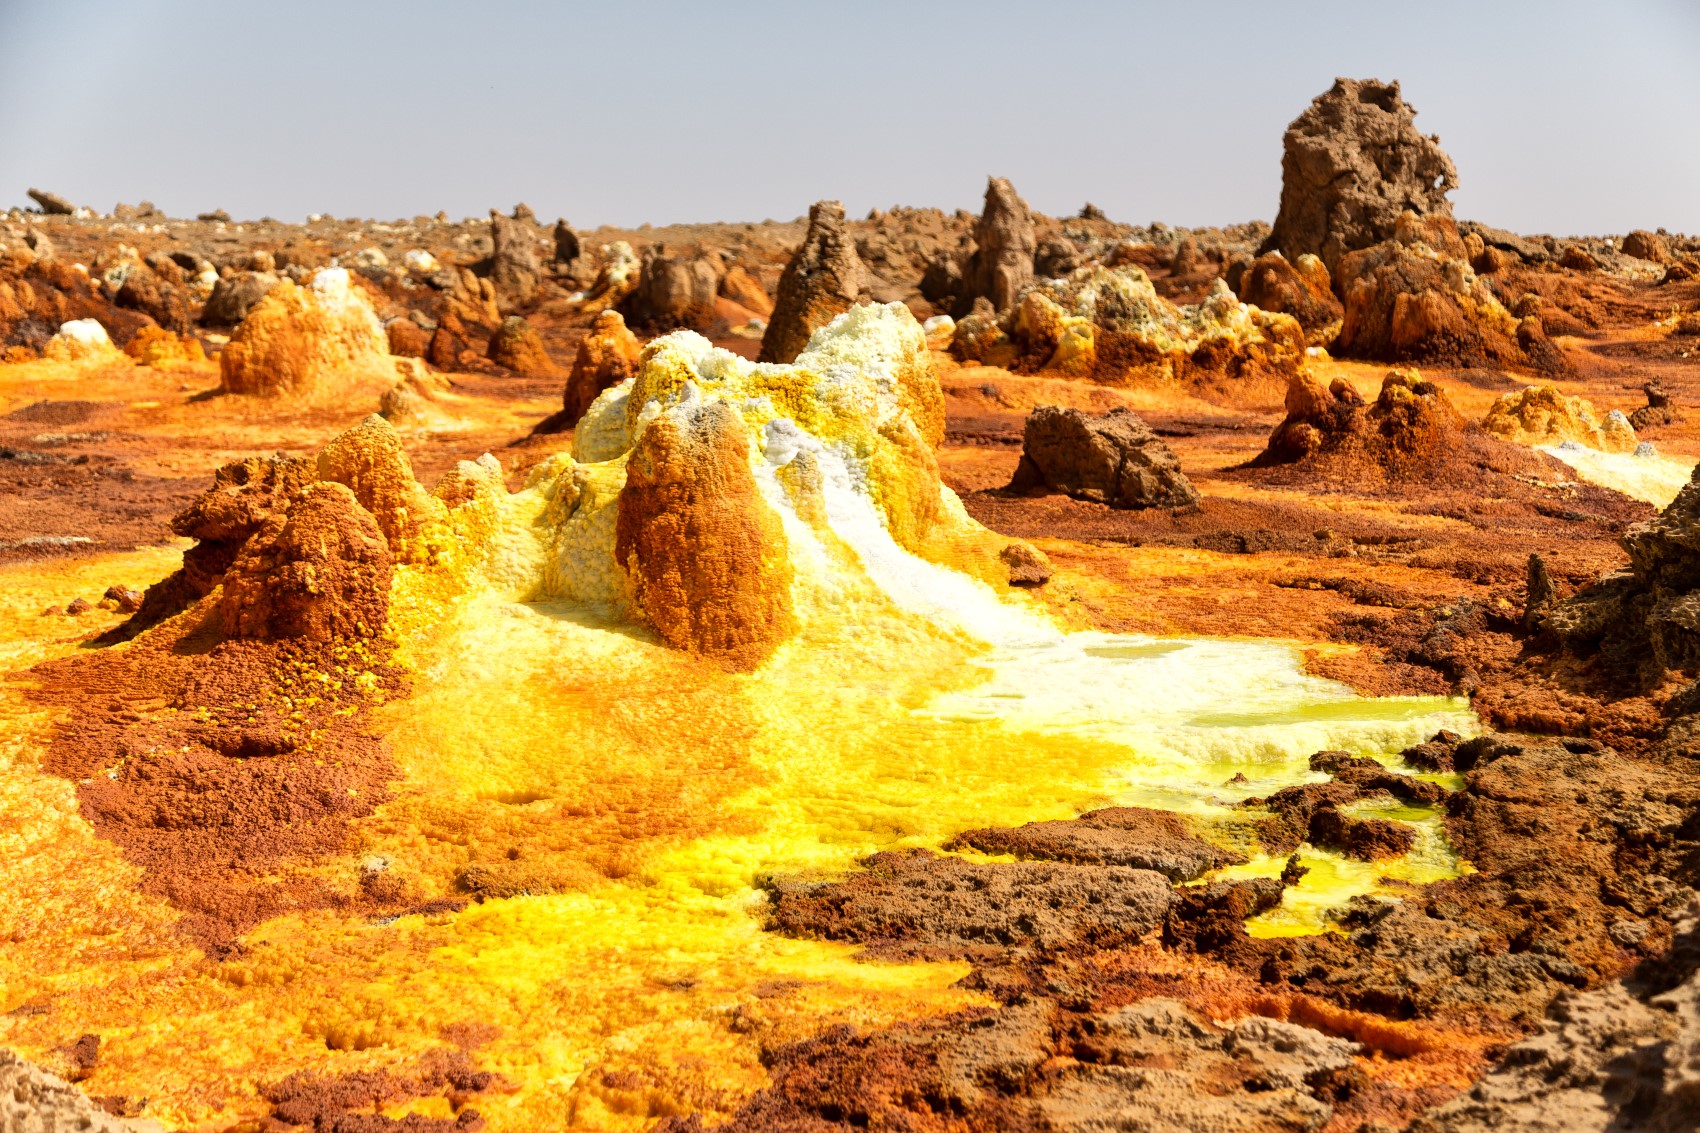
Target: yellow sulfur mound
322,339
1542,415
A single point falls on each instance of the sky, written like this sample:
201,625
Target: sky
1561,117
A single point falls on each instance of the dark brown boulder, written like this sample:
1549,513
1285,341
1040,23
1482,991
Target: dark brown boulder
567,247
824,279
52,203
1112,459
320,570
1351,164
517,346
144,291
407,338
1001,263
1657,411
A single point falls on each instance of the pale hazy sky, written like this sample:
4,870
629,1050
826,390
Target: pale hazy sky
1561,117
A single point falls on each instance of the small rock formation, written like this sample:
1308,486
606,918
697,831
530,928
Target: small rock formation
407,338
370,462
615,279
607,356
1644,245
472,299
517,346
416,399
82,340
1538,592
707,557
514,271
448,342
1111,459
1351,164
165,303
1157,840
235,295
1001,264
1656,412
158,347
1300,288
1415,298
1644,619
675,291
305,341
823,280
1542,415
1411,435
741,287
320,570
52,203
1111,326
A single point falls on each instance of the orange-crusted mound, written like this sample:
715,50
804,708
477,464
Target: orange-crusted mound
320,340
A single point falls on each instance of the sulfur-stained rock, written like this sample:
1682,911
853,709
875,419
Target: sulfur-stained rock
1577,259
320,570
1300,288
675,290
1112,459
448,342
82,340
34,1101
517,346
1542,415
167,305
607,356
234,296
1658,410
156,346
1351,164
369,460
1001,264
707,556
514,270
824,278
615,279
318,340
1414,298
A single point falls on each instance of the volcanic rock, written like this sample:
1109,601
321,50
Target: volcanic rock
1299,288
615,279
156,346
320,570
1644,620
1112,459
916,903
235,295
1056,258
607,356
318,339
1644,245
34,1101
675,291
824,279
52,203
407,338
448,342
1001,264
1577,259
514,271
707,556
1413,297
1351,164
144,291
567,247
1542,415
517,346
1126,836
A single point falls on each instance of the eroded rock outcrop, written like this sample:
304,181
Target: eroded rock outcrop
1112,459
1542,415
514,270
676,290
321,339
517,346
1351,164
1414,297
370,462
824,279
319,570
235,295
1301,288
607,356
1001,264
707,556
34,1101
